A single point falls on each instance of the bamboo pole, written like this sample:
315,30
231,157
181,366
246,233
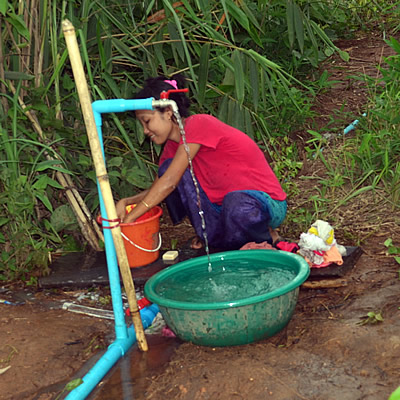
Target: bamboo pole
101,173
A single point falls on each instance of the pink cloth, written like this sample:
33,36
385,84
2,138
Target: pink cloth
166,332
227,161
254,246
287,246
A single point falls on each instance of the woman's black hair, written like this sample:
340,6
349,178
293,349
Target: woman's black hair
153,87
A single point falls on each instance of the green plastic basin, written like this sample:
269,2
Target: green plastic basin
233,321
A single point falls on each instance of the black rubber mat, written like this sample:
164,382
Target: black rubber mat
334,270
88,269
81,269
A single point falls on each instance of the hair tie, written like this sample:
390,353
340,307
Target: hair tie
172,83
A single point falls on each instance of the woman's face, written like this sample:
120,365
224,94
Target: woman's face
158,126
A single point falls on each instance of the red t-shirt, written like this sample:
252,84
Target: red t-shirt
228,159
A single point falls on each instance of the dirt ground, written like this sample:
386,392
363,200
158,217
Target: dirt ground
323,354
326,351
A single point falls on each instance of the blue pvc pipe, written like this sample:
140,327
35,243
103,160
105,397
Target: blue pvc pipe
112,264
125,337
119,105
114,352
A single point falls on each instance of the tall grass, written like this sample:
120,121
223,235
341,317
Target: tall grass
377,145
26,189
372,155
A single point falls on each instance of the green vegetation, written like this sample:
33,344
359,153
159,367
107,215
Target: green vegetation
253,64
70,386
364,165
395,395
371,318
392,250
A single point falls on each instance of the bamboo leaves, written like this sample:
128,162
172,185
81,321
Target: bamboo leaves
203,72
236,12
18,23
254,82
294,19
343,54
169,7
298,24
290,22
301,29
3,6
239,76
226,15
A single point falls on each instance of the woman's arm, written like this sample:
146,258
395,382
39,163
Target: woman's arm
126,201
164,185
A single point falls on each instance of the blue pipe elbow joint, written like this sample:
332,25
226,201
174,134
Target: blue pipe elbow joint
119,105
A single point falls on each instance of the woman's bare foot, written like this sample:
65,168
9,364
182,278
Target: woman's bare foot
274,235
196,243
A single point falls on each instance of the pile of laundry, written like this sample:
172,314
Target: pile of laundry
318,246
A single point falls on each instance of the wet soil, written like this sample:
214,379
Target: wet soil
329,350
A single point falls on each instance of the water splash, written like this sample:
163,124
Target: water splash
196,185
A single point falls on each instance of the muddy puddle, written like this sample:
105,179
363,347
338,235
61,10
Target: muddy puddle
130,377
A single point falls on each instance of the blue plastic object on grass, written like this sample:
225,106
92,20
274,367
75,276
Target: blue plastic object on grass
352,126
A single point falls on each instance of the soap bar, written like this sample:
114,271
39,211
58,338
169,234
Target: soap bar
170,255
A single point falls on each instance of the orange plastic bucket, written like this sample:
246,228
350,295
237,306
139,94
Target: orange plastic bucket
142,238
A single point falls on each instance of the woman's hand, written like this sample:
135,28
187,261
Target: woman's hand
121,208
123,203
129,218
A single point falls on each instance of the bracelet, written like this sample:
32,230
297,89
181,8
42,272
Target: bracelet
145,204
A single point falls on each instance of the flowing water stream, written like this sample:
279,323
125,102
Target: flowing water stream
196,185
